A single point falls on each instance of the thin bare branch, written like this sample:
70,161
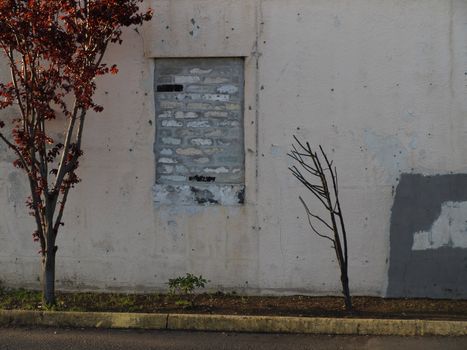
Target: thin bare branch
312,226
315,216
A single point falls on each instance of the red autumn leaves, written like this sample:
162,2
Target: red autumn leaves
55,51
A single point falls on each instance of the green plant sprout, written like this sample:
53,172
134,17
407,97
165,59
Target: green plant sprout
184,286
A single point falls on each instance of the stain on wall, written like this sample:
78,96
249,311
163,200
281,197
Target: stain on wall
428,256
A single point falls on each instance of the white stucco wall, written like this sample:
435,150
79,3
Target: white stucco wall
380,84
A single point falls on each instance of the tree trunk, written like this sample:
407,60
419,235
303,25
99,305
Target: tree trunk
346,291
48,277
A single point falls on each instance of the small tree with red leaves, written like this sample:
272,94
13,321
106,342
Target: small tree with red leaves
55,51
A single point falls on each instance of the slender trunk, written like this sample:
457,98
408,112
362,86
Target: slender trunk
346,290
48,277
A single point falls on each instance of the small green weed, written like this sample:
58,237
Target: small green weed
19,298
184,287
184,303
186,284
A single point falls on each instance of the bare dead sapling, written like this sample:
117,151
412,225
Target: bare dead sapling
316,172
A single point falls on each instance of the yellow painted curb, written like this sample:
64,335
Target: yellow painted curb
316,325
83,319
231,323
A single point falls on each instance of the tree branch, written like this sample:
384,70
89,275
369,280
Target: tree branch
66,147
14,71
58,220
17,151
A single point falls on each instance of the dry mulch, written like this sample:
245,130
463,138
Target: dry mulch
241,305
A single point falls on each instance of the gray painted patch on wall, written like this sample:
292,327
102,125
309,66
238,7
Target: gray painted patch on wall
428,205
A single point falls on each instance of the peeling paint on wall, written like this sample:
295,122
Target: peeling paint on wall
194,28
388,151
428,255
207,194
449,230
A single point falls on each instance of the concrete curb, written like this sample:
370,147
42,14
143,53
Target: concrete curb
231,323
82,319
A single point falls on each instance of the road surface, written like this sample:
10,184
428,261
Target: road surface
80,339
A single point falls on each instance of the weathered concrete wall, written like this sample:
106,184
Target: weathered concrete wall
380,84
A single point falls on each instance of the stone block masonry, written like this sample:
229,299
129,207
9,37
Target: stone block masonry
199,131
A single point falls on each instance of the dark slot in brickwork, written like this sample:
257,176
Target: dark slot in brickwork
169,88
200,178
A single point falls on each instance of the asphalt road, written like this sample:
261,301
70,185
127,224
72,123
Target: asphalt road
67,339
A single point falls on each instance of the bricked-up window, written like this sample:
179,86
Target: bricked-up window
199,131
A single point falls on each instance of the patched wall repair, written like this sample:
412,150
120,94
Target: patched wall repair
199,136
428,256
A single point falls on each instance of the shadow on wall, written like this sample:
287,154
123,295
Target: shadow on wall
428,237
